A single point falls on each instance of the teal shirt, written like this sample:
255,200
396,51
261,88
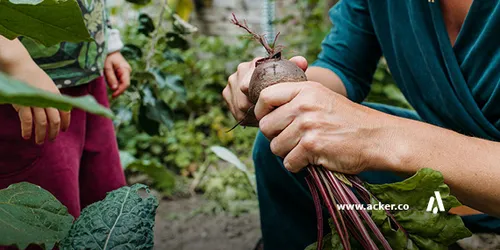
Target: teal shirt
455,87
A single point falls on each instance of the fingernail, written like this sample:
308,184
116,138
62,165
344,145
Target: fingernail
287,166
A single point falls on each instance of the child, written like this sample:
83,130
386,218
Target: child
82,164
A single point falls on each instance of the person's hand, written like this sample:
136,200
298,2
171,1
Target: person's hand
236,92
47,122
308,124
117,71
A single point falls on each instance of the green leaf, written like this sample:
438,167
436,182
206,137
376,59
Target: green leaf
163,179
426,230
176,41
139,2
48,22
16,92
227,155
146,24
173,82
123,220
170,55
31,215
126,159
131,52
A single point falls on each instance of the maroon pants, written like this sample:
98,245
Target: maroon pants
78,168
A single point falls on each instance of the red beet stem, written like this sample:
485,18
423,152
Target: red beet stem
319,211
368,220
329,204
353,215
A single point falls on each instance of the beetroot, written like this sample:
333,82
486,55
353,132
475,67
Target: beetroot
268,71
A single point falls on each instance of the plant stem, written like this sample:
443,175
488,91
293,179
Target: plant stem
329,204
319,211
156,36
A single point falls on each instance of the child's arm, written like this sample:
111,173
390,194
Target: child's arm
16,62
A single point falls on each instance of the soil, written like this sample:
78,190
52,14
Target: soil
179,227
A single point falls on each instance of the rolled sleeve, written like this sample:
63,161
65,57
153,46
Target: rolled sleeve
351,49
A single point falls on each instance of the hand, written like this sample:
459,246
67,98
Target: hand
308,124
117,71
236,92
43,120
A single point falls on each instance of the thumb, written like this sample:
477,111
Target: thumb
300,61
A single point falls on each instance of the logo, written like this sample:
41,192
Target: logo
440,206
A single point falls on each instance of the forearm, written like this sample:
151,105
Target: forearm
470,166
327,78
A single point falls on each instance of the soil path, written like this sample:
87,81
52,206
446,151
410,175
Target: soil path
178,229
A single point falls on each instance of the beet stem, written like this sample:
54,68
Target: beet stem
368,220
319,211
351,213
328,202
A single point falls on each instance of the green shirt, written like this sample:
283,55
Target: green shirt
71,64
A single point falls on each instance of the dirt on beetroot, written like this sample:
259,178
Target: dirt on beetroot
179,226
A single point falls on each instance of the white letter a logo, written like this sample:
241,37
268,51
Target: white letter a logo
440,206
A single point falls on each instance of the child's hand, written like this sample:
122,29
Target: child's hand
44,120
16,62
117,71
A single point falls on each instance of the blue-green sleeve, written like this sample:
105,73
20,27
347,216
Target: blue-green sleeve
351,49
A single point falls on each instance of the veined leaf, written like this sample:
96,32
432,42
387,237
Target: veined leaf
31,215
426,230
16,92
123,220
48,22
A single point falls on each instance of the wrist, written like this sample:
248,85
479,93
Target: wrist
393,146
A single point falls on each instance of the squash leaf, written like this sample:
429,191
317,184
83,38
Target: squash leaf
16,92
123,220
31,215
46,21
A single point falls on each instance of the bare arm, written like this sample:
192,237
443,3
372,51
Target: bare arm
328,78
470,166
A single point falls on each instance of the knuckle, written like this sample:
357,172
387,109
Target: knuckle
305,107
307,122
231,79
309,142
275,148
225,92
42,122
242,66
265,96
55,122
243,106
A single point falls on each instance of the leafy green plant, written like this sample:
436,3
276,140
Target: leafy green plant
31,215
415,228
150,48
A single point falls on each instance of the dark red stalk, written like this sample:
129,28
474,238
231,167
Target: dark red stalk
354,216
368,220
365,195
334,196
329,204
319,211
